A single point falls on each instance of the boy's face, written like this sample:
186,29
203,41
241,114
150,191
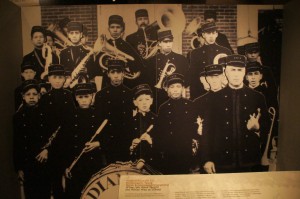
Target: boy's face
166,45
175,90
28,74
142,22
210,37
116,77
254,78
75,36
143,103
50,41
85,100
43,90
115,30
56,81
38,39
235,75
252,56
215,82
31,97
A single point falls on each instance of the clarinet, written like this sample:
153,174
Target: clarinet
51,138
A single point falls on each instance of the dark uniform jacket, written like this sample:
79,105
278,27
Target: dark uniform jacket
223,41
72,56
36,58
140,124
228,143
199,58
174,134
115,103
138,42
135,66
153,72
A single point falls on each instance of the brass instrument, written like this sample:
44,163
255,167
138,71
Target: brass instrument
169,69
53,27
191,29
51,138
111,52
83,150
265,160
47,55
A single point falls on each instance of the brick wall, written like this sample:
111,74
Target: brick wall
226,21
86,14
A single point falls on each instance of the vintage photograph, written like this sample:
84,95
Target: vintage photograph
147,89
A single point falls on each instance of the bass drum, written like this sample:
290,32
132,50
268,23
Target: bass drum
105,183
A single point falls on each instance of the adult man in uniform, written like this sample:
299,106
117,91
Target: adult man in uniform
35,58
115,103
162,65
236,136
145,36
72,56
203,56
116,28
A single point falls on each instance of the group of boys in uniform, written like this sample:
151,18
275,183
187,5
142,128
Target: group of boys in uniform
222,127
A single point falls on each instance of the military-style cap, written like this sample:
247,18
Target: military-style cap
208,14
116,19
252,47
74,26
83,89
163,34
175,78
115,64
50,34
141,13
35,29
253,66
142,89
56,69
26,66
208,27
64,22
213,69
236,60
222,61
29,84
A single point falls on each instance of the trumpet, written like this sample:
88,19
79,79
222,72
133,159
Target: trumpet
265,160
169,69
111,52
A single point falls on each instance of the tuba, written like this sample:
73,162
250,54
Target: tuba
64,41
169,69
191,29
111,52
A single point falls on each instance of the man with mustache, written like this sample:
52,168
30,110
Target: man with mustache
140,39
203,56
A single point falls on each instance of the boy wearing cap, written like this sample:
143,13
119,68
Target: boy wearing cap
30,135
27,73
175,129
144,33
115,103
163,64
236,136
35,58
141,147
78,129
72,56
203,56
57,104
116,28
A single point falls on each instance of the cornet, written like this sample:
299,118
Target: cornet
111,52
169,69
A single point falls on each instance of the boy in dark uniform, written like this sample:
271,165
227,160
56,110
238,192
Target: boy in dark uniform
78,129
143,121
72,56
203,56
115,102
30,135
175,129
27,73
57,104
237,132
36,58
162,65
